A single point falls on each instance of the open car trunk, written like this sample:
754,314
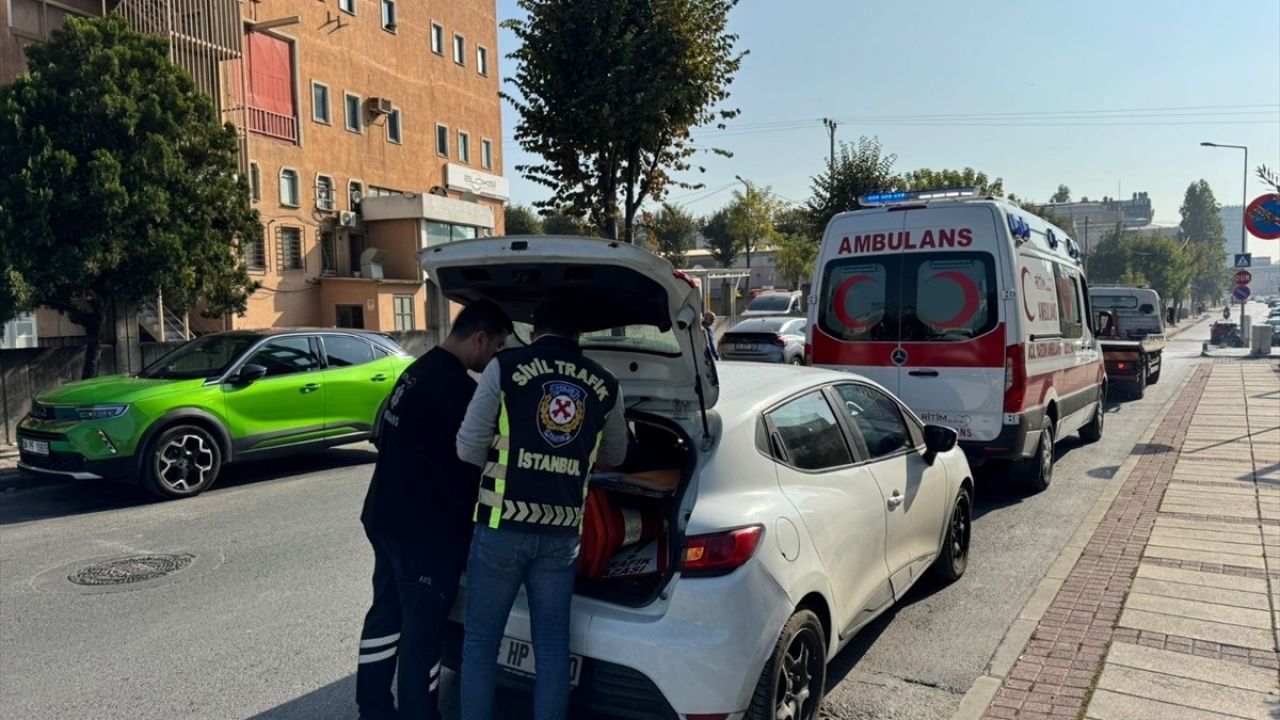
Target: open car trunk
632,542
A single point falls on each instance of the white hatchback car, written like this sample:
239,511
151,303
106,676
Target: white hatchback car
808,500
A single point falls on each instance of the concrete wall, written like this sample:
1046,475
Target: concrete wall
25,374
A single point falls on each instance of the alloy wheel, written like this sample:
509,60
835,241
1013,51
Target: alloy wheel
795,691
959,534
184,462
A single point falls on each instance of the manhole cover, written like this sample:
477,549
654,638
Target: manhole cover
125,570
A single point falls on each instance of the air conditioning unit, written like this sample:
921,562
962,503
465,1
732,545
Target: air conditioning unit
347,219
380,106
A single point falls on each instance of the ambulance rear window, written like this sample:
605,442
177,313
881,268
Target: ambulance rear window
943,297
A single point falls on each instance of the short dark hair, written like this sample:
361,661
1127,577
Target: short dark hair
556,316
481,316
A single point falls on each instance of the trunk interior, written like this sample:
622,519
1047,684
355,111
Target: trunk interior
631,546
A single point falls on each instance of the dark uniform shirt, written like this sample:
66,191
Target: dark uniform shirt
420,488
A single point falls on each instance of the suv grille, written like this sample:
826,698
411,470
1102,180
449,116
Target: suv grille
57,461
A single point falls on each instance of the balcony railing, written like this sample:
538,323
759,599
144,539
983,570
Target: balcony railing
280,127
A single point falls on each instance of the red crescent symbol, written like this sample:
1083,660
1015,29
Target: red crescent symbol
842,290
970,307
1026,310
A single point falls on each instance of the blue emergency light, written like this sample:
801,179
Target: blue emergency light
1019,227
1053,239
898,196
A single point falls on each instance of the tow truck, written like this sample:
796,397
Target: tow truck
1131,334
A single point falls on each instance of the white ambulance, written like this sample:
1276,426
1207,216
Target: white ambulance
972,310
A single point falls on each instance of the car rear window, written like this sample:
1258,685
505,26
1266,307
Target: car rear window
771,303
948,296
1114,301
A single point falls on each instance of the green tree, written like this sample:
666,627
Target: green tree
118,182
1202,226
751,218
561,223
1109,259
926,179
1269,177
1063,195
722,243
1164,263
607,92
794,256
858,169
671,229
520,220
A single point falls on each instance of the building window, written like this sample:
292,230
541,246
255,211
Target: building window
404,312
389,15
355,193
324,192
437,38
442,140
354,119
328,242
439,233
269,60
255,254
255,182
289,188
375,191
459,49
486,154
347,6
482,60
291,248
350,316
464,147
393,126
320,103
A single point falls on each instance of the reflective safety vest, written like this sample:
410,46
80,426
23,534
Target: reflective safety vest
554,403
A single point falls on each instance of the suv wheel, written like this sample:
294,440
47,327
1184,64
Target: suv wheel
182,461
795,678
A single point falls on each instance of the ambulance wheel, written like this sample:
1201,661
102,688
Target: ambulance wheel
1092,432
1036,472
795,677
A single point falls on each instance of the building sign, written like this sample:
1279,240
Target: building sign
465,179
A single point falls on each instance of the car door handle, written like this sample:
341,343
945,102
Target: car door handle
895,500
378,378
923,373
309,388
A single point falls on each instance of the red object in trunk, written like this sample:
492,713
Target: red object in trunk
607,528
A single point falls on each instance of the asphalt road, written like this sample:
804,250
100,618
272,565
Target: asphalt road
264,621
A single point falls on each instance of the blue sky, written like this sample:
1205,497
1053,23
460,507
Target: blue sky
1046,74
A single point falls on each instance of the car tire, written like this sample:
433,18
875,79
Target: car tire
953,560
795,677
181,461
1036,472
1139,388
796,361
1092,432
1154,377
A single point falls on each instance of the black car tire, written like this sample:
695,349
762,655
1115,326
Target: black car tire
181,461
1036,472
953,560
1138,389
795,676
797,360
1092,432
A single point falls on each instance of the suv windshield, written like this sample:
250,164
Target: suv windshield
205,357
771,303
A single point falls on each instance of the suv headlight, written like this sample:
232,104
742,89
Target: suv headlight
101,412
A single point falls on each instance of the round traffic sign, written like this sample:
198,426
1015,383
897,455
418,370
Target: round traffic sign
1262,217
1241,293
1243,277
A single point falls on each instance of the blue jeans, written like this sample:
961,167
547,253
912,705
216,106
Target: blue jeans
501,561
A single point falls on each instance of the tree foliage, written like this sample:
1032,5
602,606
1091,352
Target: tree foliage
1063,195
751,219
858,169
118,182
794,256
1269,177
561,223
926,179
520,220
722,243
1166,266
607,92
671,230
1202,226
1109,259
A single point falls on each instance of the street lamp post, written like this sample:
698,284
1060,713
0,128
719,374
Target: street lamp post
1244,203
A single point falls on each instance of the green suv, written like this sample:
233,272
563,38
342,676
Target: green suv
219,399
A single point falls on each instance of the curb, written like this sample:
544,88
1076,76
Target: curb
984,689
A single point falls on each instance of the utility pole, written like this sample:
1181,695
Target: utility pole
831,126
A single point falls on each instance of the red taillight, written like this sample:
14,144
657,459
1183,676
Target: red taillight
779,342
1015,378
1122,366
720,553
682,275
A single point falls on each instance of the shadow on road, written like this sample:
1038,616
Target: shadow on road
78,497
335,701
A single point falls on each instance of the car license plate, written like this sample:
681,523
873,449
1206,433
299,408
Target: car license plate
745,347
39,447
517,656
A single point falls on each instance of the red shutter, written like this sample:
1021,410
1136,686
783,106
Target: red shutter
270,73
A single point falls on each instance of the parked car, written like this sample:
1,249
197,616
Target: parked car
1274,322
804,501
768,339
777,302
219,399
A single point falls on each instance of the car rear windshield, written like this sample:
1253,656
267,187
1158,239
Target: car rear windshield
205,357
763,325
947,296
771,303
1127,302
633,338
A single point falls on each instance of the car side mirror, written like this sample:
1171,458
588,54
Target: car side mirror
939,439
248,374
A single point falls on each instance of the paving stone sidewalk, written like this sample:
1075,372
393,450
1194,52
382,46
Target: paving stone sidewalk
1172,610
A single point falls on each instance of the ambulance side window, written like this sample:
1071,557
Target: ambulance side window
1070,317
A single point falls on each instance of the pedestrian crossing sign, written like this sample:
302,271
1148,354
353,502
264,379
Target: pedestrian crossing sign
1244,260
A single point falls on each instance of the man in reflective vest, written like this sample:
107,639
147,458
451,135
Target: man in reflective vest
541,418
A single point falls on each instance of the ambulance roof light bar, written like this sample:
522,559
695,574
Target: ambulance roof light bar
880,199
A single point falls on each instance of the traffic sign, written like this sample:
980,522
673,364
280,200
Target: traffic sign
1244,260
1243,277
1241,293
1262,217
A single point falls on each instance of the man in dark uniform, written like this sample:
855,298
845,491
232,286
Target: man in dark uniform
542,417
417,515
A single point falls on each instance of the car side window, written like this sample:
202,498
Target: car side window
284,356
810,434
878,418
346,351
